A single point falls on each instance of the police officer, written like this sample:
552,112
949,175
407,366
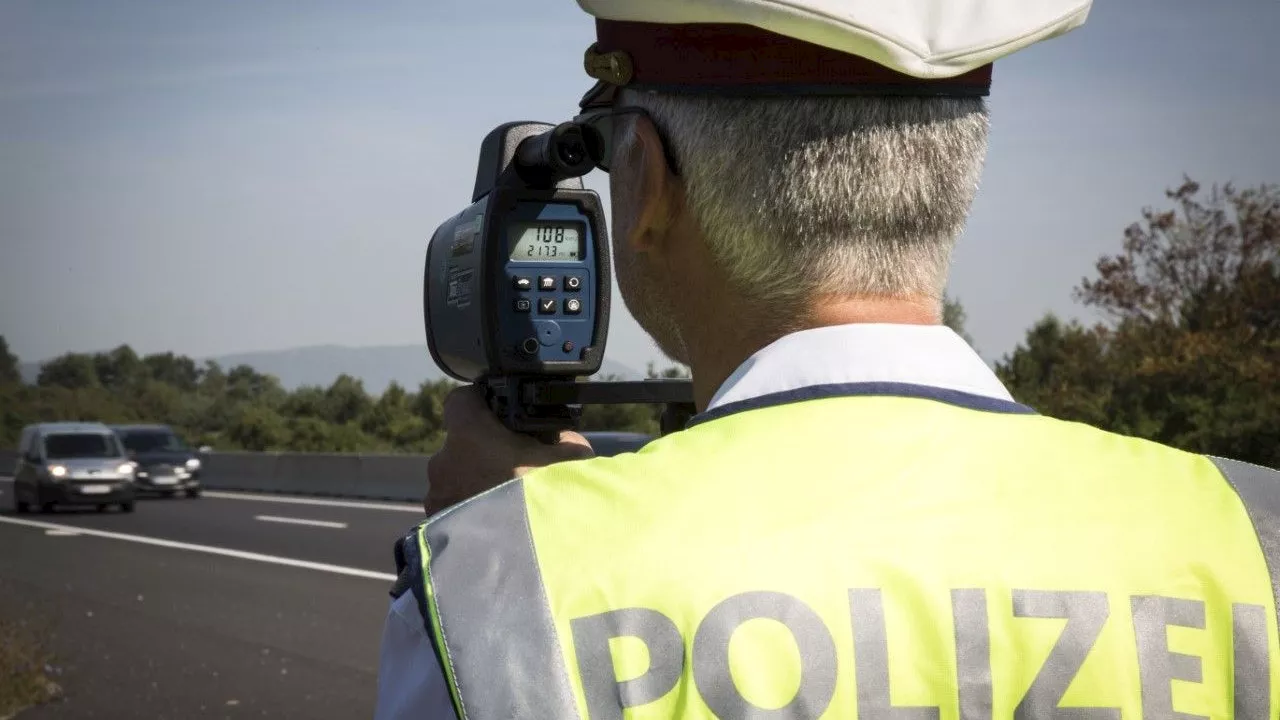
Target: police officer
860,522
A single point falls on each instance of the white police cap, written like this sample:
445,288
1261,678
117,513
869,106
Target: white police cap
935,47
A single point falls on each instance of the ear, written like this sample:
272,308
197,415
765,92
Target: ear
658,192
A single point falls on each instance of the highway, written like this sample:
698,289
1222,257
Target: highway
226,606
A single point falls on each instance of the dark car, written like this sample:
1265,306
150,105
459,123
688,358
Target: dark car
72,464
166,464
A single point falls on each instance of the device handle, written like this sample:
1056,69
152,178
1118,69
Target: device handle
543,407
542,421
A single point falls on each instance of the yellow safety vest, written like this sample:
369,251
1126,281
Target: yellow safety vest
874,552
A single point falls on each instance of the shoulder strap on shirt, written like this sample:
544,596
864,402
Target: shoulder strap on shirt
406,573
409,578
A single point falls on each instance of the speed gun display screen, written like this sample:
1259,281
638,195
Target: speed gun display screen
546,242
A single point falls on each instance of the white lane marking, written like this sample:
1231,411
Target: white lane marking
61,533
226,552
406,507
301,521
253,497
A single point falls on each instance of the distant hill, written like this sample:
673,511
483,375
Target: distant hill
377,367
408,365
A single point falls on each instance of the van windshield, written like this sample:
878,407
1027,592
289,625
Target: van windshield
68,446
147,441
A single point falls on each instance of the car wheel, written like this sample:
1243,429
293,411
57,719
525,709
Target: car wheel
102,507
47,508
193,493
127,506
22,507
170,494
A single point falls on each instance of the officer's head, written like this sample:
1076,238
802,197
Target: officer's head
762,182
788,200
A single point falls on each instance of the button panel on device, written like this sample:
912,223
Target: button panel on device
553,297
550,305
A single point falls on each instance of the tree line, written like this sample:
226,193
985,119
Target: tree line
240,408
1187,354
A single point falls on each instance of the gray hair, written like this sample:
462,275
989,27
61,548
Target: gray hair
814,195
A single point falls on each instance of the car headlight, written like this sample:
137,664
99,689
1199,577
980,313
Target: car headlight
57,471
125,469
193,464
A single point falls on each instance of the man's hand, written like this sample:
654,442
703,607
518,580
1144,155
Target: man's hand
480,453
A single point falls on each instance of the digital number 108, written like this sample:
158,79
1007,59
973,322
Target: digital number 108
547,234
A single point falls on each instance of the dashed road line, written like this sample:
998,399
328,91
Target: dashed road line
301,521
263,497
356,505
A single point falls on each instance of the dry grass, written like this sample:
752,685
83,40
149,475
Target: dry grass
25,659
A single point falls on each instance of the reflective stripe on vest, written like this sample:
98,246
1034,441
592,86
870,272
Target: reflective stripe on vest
1259,488
488,611
1045,570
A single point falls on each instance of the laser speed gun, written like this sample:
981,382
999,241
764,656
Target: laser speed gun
517,285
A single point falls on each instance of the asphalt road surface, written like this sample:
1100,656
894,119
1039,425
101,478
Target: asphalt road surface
226,606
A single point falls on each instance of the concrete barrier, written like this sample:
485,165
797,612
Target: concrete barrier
394,477
373,477
363,476
238,471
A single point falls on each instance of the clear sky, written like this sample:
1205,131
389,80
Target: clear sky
212,177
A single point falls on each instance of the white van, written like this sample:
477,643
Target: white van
72,464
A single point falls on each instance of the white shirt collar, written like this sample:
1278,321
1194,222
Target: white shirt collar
926,355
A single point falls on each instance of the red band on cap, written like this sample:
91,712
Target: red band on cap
723,55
